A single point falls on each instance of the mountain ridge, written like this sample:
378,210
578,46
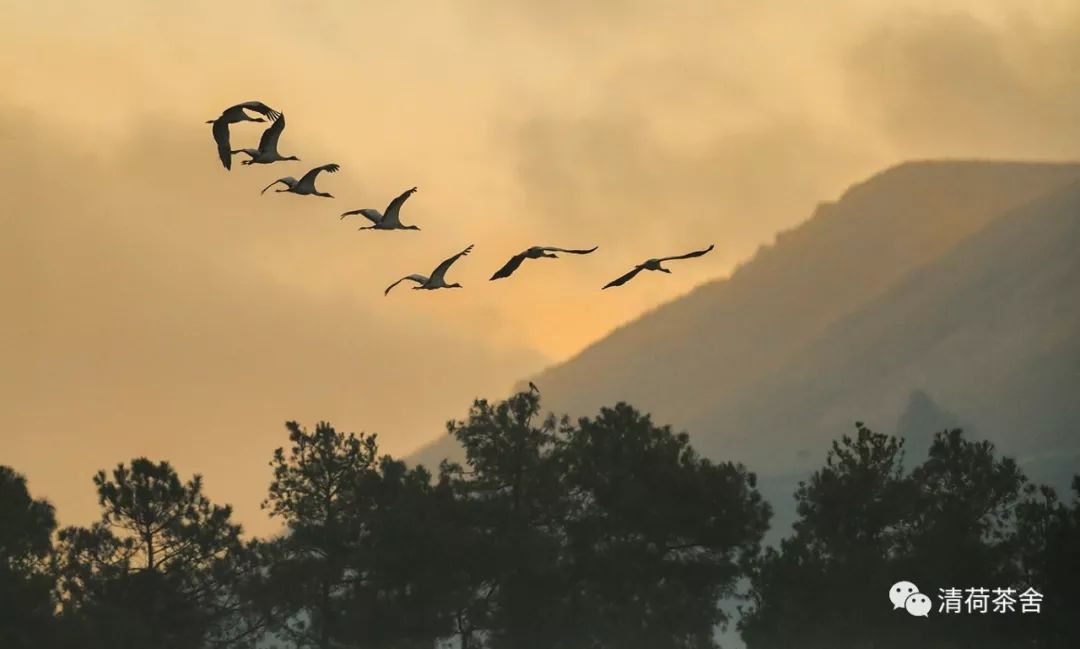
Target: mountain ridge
734,332
975,308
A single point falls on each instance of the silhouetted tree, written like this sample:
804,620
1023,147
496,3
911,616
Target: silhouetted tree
962,533
510,486
608,533
850,512
407,556
315,491
655,535
1048,533
162,568
26,580
963,518
366,561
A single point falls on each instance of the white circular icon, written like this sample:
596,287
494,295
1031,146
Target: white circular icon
918,605
900,591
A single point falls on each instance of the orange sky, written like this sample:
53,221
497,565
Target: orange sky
155,304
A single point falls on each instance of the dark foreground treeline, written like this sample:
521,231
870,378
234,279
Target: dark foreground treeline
607,532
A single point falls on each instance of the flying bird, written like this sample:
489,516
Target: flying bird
306,185
267,151
437,279
653,264
391,219
231,115
536,252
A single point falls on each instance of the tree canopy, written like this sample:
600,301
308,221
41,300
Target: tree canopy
602,532
26,529
963,518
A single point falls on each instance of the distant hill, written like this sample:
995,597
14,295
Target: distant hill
933,294
989,330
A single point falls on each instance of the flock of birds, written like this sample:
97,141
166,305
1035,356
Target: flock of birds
390,219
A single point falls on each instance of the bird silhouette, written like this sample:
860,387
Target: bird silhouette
533,388
231,115
306,185
536,252
390,220
267,151
653,264
437,278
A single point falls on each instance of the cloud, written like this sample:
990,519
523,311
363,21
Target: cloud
957,84
157,304
661,136
613,179
144,315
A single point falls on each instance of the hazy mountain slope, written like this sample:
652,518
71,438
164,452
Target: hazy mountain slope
695,362
920,419
990,329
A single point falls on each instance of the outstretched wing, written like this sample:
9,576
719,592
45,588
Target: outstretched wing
259,107
625,278
367,212
440,272
510,266
269,139
288,181
394,207
309,177
688,255
570,251
221,136
419,279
